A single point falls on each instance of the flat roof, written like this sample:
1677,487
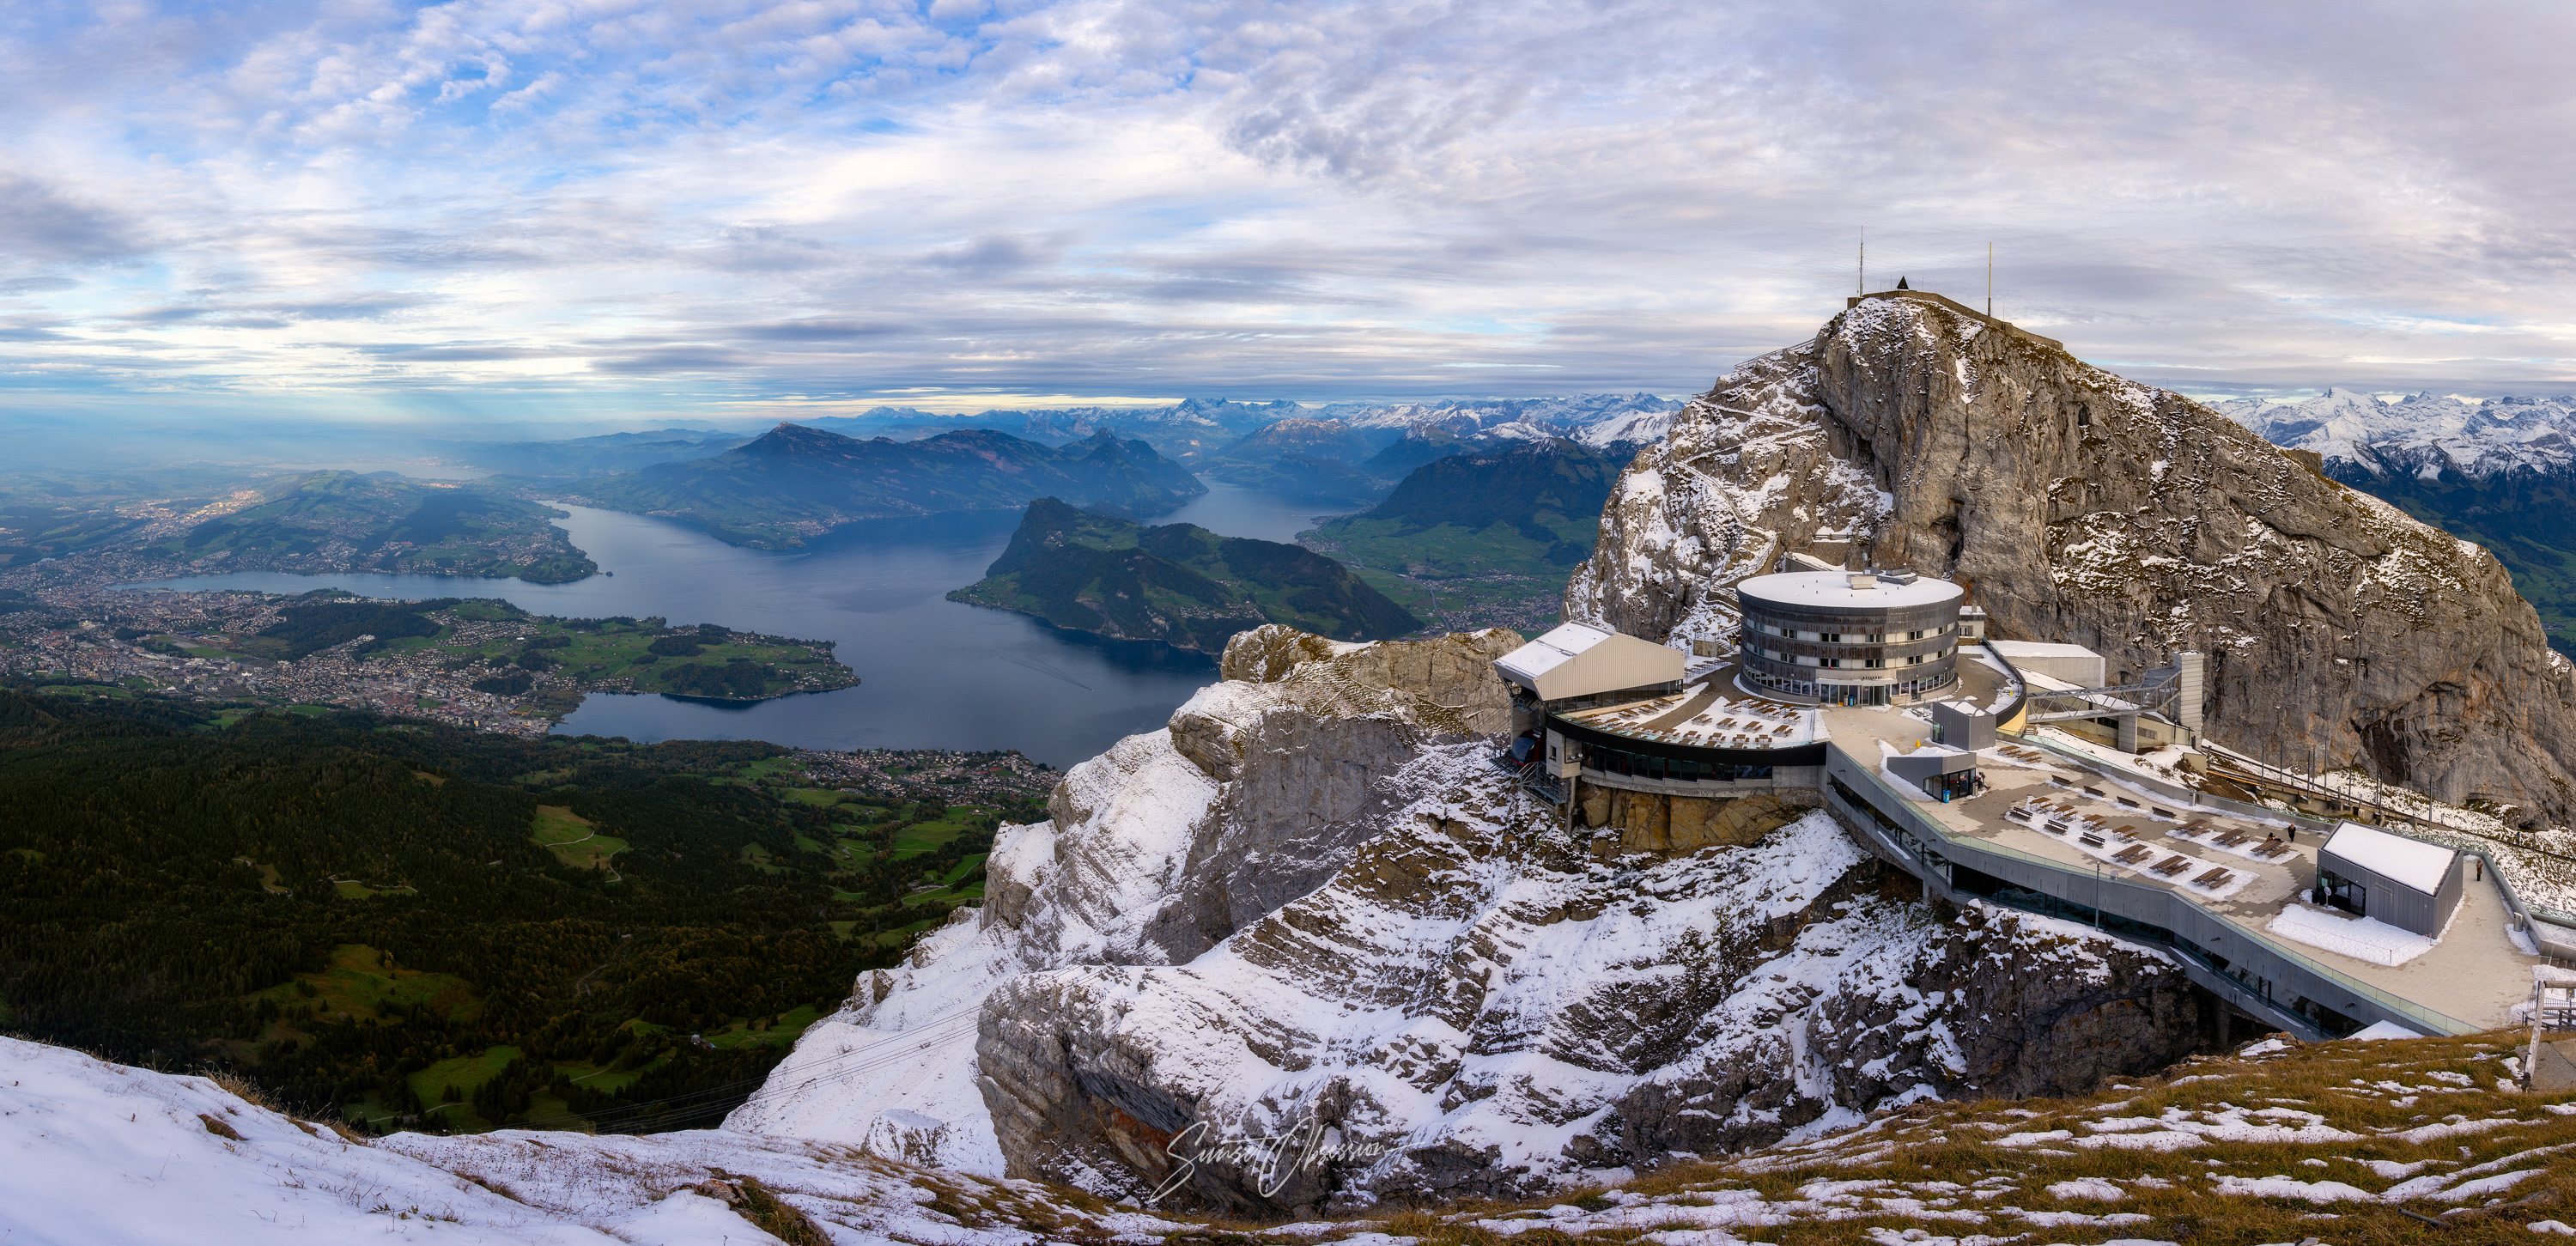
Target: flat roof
1834,588
2040,649
2413,862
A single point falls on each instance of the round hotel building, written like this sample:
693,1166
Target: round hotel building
1849,638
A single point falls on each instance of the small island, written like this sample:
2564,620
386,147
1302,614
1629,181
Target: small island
1177,583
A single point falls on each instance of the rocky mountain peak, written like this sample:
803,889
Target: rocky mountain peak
2079,506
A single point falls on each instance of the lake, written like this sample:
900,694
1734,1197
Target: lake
933,673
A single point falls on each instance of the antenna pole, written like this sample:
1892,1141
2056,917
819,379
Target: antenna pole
1860,277
1990,281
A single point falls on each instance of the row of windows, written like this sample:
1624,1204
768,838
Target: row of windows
1867,664
1674,769
1854,638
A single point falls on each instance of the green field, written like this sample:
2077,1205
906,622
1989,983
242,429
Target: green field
573,839
363,983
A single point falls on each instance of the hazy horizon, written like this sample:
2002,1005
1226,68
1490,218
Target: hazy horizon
481,215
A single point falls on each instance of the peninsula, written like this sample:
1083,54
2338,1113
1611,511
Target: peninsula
1178,583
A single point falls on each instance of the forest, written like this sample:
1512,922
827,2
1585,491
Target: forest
403,925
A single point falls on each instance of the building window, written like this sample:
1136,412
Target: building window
1830,662
1916,660
1836,637
1873,663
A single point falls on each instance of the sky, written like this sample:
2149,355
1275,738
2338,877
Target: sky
602,209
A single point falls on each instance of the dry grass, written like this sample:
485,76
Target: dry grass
1925,1166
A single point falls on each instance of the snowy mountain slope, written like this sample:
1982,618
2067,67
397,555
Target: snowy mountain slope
1597,420
92,1152
1472,1007
2082,507
1312,897
1154,851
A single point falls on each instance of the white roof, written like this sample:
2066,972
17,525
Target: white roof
2413,862
1544,654
1834,588
2040,649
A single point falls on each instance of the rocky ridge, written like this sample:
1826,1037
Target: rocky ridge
2078,506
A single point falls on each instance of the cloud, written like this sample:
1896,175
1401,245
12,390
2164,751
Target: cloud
764,197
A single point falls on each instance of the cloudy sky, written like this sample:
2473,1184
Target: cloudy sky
577,208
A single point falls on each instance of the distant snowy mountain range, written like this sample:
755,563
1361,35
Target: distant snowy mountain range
2420,435
1203,427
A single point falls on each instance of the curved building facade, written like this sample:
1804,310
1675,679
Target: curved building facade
1849,638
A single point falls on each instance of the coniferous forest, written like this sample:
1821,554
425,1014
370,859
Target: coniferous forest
403,925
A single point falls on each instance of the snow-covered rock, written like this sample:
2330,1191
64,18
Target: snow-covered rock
1472,1006
2081,507
93,1152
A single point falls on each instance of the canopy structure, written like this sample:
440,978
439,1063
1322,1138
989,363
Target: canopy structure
1576,659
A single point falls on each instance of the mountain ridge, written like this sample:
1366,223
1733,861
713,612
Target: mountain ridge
796,483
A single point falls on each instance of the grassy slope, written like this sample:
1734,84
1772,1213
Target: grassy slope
1177,583
2274,1144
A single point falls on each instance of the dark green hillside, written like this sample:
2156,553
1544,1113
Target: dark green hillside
382,523
368,917
795,483
2526,519
1179,583
1481,539
1417,447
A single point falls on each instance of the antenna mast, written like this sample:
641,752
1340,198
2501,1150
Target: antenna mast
1990,281
1860,276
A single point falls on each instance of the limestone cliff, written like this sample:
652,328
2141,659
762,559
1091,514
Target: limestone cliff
2078,506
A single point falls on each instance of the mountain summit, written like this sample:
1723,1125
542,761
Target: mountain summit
2078,506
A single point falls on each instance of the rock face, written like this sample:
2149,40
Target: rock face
1658,823
2080,507
1472,1007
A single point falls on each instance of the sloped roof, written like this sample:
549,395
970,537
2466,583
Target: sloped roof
1550,651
